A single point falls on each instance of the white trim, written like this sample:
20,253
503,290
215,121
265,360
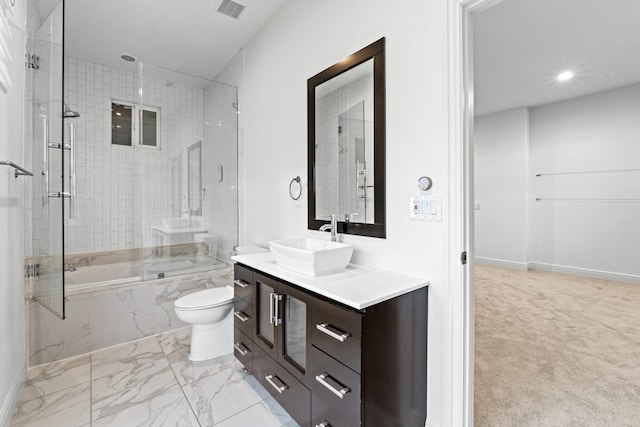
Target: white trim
587,272
460,411
502,263
11,399
460,236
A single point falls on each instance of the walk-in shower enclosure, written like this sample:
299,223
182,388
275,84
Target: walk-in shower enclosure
135,164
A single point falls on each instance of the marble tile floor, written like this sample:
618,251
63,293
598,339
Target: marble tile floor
149,382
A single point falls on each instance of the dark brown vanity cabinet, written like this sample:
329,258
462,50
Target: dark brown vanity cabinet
243,316
331,365
282,328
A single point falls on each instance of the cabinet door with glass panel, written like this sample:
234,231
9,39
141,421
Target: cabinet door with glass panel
283,325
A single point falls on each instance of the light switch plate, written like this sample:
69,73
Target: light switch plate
425,208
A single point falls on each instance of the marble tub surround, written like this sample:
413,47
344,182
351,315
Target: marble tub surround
146,382
108,317
126,255
357,287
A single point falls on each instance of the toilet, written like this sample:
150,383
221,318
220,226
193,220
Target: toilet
210,313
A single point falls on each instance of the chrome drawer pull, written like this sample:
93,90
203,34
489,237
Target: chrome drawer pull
278,388
323,424
241,316
323,378
333,332
241,283
240,350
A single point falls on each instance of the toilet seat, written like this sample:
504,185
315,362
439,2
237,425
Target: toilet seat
208,298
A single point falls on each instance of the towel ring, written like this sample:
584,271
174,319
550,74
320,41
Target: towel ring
295,188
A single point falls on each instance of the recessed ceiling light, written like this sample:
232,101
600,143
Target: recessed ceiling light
564,76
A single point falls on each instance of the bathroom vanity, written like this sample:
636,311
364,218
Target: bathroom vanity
347,349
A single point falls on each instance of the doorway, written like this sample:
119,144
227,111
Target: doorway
553,172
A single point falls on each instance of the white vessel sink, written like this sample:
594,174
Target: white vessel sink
313,257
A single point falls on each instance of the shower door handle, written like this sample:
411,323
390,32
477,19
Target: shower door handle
72,171
45,170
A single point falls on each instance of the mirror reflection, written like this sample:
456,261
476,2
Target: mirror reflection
194,180
344,146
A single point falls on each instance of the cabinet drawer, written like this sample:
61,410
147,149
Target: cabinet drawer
338,332
294,397
242,278
242,316
323,415
243,349
336,391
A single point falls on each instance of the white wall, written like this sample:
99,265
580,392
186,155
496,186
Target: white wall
600,132
589,236
306,37
501,149
13,358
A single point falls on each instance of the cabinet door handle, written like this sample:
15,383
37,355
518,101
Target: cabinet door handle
241,316
271,295
323,424
238,347
279,388
241,283
276,317
333,332
324,379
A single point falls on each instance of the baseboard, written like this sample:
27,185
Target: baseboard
502,263
11,399
598,274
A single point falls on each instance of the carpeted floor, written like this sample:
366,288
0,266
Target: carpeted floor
555,350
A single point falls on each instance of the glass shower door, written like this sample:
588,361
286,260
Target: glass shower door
352,164
48,154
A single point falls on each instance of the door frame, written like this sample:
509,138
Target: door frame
461,228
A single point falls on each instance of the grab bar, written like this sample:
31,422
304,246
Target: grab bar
19,169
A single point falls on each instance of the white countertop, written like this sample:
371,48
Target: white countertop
358,287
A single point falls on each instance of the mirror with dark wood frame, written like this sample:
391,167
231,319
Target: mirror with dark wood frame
346,144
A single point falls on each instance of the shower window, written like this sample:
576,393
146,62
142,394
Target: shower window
121,124
126,118
150,127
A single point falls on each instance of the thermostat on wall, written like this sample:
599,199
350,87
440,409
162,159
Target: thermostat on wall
425,208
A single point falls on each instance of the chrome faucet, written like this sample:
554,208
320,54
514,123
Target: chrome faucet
333,227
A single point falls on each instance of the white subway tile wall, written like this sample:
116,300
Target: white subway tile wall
121,190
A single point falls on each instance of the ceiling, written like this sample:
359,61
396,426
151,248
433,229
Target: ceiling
520,46
187,36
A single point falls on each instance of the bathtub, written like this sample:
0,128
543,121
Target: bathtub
109,302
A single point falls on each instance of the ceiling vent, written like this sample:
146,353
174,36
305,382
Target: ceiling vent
231,8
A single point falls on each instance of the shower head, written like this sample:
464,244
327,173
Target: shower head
68,113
